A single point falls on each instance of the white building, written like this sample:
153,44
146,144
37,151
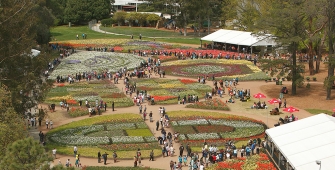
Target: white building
127,5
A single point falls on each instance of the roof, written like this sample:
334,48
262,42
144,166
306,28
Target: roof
240,38
127,2
307,140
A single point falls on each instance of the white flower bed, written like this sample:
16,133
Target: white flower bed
199,136
182,137
95,61
233,123
193,122
81,140
174,123
121,126
150,139
127,139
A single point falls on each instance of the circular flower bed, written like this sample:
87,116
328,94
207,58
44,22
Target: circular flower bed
195,127
121,132
219,68
95,61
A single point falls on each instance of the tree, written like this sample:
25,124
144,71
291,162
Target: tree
152,19
131,17
20,72
286,22
141,18
120,17
25,154
330,12
79,12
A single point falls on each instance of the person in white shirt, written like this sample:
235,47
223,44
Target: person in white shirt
54,152
51,124
201,167
75,150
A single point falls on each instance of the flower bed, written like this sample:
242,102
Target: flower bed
93,90
227,69
166,91
95,61
120,132
256,162
218,128
212,104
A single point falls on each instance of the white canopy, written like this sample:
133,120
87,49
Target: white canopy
305,141
240,38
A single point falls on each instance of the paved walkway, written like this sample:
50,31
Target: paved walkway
163,163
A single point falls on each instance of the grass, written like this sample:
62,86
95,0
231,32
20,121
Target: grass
63,33
317,111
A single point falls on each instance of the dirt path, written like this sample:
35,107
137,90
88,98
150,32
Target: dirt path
243,109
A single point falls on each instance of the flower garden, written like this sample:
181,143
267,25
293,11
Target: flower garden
195,127
95,61
255,162
88,90
211,104
166,91
225,69
123,133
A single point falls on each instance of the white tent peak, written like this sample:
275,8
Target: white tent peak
240,38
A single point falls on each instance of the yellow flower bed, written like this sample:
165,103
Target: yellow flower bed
58,99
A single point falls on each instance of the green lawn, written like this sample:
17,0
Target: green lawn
63,33
317,111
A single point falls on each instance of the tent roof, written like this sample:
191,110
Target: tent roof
307,140
239,38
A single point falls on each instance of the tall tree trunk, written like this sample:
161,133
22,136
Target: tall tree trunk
185,24
319,52
311,58
294,68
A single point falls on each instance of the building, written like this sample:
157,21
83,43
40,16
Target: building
127,5
306,144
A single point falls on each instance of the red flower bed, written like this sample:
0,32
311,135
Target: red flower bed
60,85
187,81
230,165
118,48
167,58
71,102
163,98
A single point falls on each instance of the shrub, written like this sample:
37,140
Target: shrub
107,22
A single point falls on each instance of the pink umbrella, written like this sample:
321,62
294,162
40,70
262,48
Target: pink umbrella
291,109
259,96
334,110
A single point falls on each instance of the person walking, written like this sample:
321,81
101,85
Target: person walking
99,157
150,116
41,135
151,155
47,123
104,156
54,152
105,106
113,106
181,150
75,150
51,124
157,125
114,156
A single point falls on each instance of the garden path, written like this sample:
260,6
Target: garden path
163,163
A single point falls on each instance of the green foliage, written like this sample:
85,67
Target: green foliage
80,12
108,22
152,19
131,17
120,17
25,154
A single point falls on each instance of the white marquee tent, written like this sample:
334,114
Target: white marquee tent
305,141
240,38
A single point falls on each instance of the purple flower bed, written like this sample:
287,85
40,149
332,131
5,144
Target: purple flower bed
73,61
